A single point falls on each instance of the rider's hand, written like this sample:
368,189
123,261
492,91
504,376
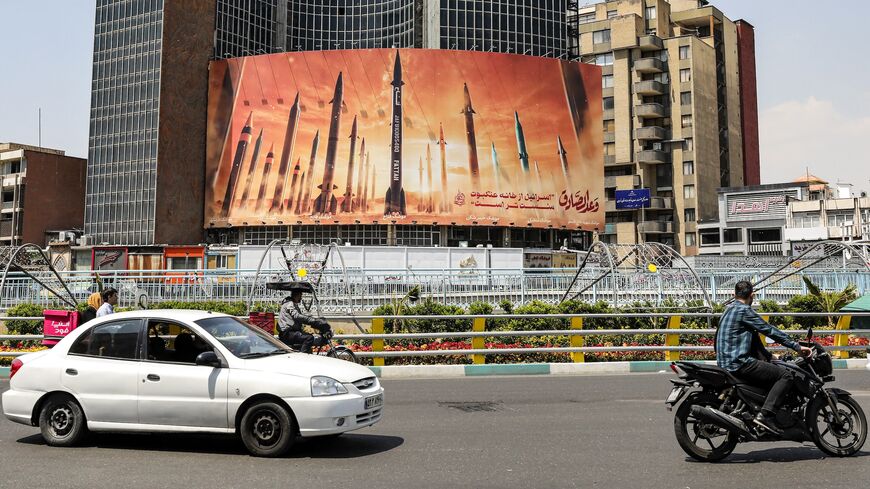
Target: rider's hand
806,351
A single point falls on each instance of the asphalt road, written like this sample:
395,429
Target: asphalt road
529,432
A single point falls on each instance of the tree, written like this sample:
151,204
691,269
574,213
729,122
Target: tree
831,301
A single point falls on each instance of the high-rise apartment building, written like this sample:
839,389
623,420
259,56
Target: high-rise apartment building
679,93
146,160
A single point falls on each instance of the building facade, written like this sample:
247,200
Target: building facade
43,193
673,121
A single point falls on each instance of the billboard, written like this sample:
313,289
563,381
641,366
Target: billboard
409,136
632,199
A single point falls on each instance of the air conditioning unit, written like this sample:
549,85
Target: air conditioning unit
84,240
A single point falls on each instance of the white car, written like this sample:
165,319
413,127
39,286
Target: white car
188,371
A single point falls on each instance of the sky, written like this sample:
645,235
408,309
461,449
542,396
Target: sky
814,99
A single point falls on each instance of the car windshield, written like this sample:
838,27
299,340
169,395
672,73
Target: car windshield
242,339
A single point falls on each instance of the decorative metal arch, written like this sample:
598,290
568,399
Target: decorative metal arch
637,273
30,260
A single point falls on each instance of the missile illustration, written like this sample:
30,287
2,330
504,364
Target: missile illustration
252,168
540,180
286,154
241,149
347,203
521,144
359,178
394,201
430,204
445,198
326,202
563,156
264,180
473,167
306,199
420,199
374,179
495,169
364,202
288,203
299,193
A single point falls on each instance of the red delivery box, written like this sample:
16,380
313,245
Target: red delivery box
57,324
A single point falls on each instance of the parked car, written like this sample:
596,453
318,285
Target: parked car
188,371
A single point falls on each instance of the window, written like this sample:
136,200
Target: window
840,218
806,219
691,239
172,342
117,339
239,337
600,37
221,262
664,177
611,14
608,103
609,149
765,235
686,121
607,81
688,168
586,18
710,237
184,263
685,75
650,13
609,125
688,191
685,53
686,98
688,144
605,59
733,235
690,215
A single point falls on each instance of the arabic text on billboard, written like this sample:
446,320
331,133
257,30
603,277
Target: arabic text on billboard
404,136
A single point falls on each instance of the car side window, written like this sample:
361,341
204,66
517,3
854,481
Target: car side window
173,342
117,339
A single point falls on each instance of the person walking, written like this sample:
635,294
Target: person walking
95,301
110,300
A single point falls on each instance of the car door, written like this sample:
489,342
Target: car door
102,370
173,390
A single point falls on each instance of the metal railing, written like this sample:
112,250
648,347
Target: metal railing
576,335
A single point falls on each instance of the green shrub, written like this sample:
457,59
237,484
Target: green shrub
506,305
24,326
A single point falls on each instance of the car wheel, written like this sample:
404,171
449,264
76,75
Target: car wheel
62,421
267,430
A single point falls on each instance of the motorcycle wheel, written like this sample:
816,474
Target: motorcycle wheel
839,440
702,441
342,353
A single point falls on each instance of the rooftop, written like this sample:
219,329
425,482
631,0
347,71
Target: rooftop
27,147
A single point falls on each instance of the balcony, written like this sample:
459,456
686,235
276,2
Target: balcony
655,227
650,133
661,203
649,65
650,87
650,111
650,43
624,182
652,157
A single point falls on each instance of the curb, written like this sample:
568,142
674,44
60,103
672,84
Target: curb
593,368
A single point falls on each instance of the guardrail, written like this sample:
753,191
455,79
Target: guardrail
576,334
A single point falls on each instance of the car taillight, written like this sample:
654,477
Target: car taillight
15,367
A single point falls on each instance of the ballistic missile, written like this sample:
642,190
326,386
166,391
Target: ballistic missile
288,203
264,180
241,149
445,199
495,169
326,202
473,167
521,144
563,156
286,154
299,193
420,199
430,206
306,199
252,168
359,178
347,203
364,202
394,201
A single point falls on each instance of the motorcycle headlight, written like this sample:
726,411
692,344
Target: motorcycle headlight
326,386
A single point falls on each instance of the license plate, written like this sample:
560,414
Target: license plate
374,401
676,394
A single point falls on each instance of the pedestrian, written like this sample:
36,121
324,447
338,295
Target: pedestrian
95,301
110,300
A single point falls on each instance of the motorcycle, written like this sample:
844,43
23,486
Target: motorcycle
323,345
717,409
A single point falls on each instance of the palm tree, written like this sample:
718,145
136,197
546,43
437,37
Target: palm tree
831,301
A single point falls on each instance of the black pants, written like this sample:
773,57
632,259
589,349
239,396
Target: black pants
303,340
768,376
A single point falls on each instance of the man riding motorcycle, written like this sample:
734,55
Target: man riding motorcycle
291,320
739,350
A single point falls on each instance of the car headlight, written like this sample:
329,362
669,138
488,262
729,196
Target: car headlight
326,386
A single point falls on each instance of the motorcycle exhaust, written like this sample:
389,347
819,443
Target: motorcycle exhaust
722,420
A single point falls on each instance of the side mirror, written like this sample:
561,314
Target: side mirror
810,333
209,359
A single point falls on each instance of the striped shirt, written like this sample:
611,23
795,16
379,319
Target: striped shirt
734,336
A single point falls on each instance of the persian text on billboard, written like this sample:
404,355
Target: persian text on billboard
404,136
